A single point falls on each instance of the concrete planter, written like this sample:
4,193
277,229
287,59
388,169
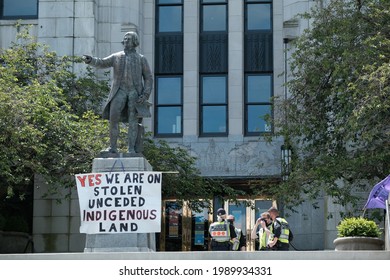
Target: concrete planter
358,243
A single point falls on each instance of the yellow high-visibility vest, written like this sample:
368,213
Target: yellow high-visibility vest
285,230
264,238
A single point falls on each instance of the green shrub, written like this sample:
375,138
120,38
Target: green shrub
358,227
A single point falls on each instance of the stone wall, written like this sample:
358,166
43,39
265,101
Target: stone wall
56,219
8,31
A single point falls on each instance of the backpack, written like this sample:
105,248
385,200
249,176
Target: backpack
290,236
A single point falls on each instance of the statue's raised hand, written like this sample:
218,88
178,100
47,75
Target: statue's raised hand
87,58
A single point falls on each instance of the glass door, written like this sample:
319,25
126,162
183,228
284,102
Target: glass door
245,213
200,230
171,237
261,205
240,212
183,229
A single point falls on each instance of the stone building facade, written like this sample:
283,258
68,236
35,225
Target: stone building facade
218,64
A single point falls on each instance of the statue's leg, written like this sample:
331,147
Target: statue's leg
133,121
116,107
139,144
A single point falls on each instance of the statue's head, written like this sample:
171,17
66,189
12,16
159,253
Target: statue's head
130,40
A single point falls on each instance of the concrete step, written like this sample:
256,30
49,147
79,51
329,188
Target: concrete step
288,255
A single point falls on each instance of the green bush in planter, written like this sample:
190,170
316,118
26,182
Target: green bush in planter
358,227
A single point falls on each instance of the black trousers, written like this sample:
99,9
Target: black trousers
220,246
282,246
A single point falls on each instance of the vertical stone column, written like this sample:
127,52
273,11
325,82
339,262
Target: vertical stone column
191,70
114,19
236,70
120,242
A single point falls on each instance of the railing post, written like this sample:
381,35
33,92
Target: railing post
387,225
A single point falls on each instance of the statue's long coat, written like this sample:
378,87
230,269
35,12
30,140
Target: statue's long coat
140,72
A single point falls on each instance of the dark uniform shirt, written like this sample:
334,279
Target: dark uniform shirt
277,231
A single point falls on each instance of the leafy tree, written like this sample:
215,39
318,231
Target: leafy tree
41,132
337,117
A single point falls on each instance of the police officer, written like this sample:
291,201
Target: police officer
264,234
280,230
240,245
222,233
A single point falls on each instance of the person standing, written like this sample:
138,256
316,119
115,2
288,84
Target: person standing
222,233
280,230
264,234
241,244
130,90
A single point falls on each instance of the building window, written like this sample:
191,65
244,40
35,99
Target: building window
258,106
213,104
19,9
169,18
214,16
169,105
213,67
258,16
258,66
169,68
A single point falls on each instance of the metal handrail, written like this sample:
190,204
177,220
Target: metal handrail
387,230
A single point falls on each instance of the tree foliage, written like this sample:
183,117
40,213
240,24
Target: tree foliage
42,129
337,117
41,133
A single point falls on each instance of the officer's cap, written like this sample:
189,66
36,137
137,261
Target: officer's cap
221,212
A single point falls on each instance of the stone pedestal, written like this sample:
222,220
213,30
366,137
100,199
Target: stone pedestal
120,242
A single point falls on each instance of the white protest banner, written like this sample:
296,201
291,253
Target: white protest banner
120,202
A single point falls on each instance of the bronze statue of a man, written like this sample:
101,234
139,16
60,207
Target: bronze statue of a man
130,90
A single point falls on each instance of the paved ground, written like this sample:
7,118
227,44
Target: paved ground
290,255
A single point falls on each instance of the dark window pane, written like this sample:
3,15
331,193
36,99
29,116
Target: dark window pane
170,19
20,8
214,1
214,18
169,120
169,1
259,89
259,17
168,91
256,121
214,119
214,90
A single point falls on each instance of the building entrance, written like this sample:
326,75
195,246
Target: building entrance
186,230
245,213
183,229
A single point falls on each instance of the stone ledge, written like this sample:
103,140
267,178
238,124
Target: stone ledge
126,164
290,255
